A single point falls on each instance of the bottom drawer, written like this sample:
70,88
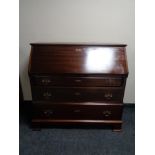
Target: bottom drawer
74,111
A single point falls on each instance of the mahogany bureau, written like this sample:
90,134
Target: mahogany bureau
75,84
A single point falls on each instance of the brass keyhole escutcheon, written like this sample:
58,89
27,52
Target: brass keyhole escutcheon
106,113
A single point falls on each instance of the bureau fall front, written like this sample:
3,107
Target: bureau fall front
78,84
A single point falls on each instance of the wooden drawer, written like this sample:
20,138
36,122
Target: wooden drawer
74,111
77,81
77,94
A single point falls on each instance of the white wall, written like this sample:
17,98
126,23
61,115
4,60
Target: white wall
101,21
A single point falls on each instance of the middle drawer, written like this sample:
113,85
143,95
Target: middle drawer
108,94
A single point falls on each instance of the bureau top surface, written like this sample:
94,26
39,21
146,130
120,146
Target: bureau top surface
49,58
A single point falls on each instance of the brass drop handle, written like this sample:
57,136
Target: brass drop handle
48,112
46,81
106,113
108,95
47,94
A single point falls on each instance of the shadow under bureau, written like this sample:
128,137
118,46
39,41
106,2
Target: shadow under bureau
78,83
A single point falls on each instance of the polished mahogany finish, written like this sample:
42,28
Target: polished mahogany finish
73,83
106,94
74,59
75,111
90,81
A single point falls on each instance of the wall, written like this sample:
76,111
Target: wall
101,21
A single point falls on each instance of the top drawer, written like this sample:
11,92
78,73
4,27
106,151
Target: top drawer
77,81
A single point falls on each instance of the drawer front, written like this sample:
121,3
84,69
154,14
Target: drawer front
77,81
77,94
87,112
